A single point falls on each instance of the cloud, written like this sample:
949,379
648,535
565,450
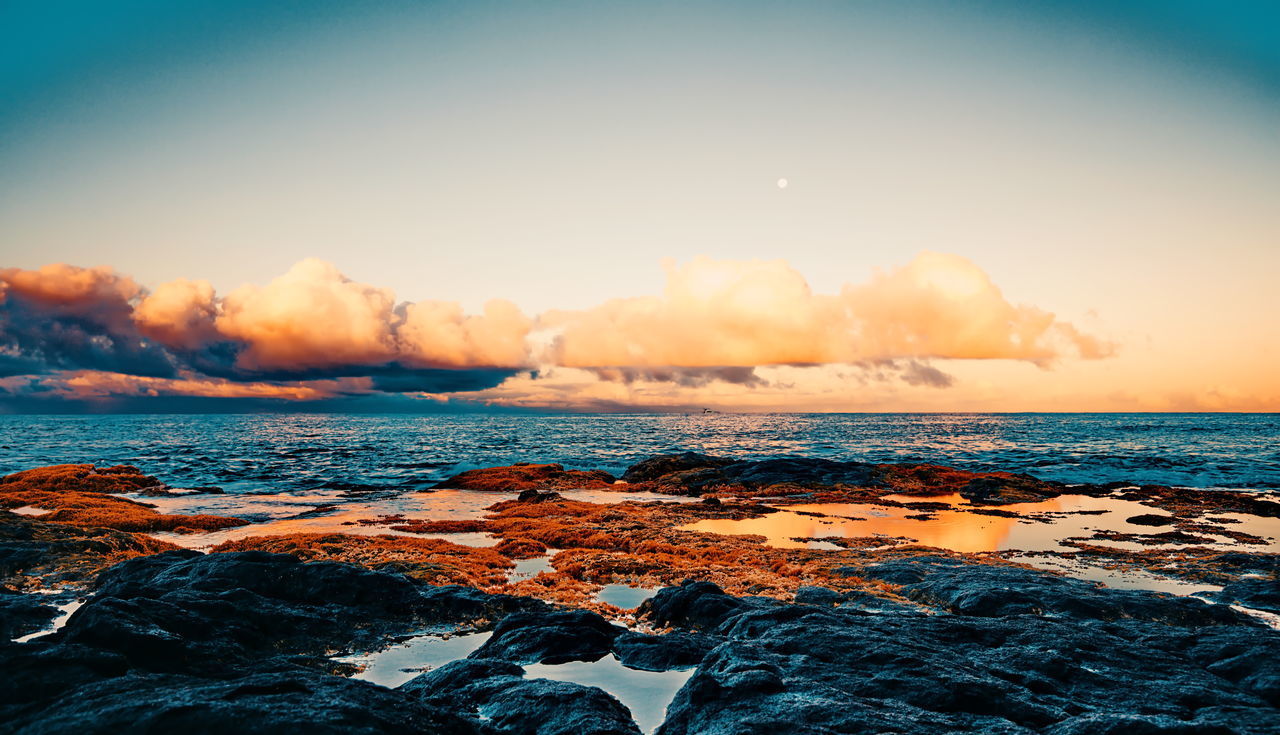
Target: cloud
752,313
180,314
682,376
724,333
65,317
89,333
945,306
312,317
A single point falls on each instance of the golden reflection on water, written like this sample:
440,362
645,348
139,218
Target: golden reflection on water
1038,526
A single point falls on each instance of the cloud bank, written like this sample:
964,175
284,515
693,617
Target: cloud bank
736,328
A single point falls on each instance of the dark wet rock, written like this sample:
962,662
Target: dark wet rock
654,468
459,605
161,491
697,605
286,701
187,612
809,669
694,474
534,496
1006,490
1256,593
1110,723
497,691
22,614
995,591
57,552
39,671
678,650
1250,659
854,600
523,476
800,470
1151,519
549,637
1241,563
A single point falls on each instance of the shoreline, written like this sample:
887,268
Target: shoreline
524,552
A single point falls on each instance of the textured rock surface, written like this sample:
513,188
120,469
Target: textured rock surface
523,477
550,638
1020,660
512,704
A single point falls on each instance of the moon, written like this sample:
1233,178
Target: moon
782,183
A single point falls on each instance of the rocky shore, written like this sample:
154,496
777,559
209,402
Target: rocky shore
839,634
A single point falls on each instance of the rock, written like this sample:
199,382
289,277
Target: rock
58,553
806,669
1151,519
1006,490
1253,592
86,496
853,600
161,491
1094,723
996,591
22,614
79,478
533,496
549,637
678,650
187,612
801,471
285,701
696,605
657,467
522,477
509,703
41,670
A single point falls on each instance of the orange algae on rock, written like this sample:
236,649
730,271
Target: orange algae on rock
57,553
520,477
638,543
435,561
427,526
79,495
80,478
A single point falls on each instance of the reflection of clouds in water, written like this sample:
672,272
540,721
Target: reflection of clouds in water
1041,527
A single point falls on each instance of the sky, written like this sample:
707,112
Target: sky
809,206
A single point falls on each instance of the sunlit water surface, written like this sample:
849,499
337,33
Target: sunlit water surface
288,453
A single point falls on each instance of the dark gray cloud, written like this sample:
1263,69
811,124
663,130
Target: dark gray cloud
685,377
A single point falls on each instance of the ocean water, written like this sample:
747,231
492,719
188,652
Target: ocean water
289,453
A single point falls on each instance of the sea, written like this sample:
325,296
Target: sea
282,453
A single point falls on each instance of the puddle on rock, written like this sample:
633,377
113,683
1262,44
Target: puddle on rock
646,693
1035,527
625,596
64,614
330,511
403,661
526,568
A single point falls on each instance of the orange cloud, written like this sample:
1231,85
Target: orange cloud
734,313
179,314
62,284
94,384
438,334
310,317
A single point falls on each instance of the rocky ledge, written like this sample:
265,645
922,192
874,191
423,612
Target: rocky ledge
243,642
903,639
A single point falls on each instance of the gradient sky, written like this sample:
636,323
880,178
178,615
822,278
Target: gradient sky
1116,165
